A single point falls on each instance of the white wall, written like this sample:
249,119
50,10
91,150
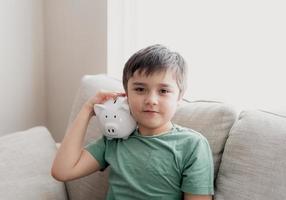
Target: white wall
46,47
22,80
75,44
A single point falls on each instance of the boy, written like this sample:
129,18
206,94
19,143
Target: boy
160,160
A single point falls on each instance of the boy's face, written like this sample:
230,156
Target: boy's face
153,101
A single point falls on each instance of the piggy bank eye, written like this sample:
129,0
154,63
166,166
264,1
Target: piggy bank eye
114,116
105,116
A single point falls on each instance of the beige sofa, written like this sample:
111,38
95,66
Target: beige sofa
249,150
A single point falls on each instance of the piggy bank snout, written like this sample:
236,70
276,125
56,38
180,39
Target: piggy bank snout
111,128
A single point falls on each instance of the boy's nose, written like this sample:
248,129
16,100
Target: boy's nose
151,99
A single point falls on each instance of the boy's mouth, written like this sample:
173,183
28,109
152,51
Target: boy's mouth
150,111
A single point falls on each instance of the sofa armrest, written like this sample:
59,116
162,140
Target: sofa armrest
26,159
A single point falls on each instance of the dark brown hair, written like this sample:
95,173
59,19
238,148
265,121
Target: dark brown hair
156,58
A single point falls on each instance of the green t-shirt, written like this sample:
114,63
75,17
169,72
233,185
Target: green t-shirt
156,167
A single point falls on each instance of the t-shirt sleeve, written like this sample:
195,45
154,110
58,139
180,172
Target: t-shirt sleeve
198,172
97,149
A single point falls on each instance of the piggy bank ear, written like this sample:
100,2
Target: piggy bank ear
125,105
98,108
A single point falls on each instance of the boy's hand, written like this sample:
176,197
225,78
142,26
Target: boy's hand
101,97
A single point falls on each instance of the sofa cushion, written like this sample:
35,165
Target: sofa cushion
253,164
212,119
25,163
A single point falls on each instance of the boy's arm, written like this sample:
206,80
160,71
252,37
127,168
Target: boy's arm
68,163
188,196
71,160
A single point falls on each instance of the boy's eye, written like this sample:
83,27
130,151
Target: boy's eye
139,89
164,91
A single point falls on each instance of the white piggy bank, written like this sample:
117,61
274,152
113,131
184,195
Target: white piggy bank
114,118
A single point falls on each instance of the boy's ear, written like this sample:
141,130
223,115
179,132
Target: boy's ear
180,96
181,103
127,97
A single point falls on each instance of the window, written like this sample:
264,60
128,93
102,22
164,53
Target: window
235,49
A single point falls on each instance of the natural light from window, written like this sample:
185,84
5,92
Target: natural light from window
235,49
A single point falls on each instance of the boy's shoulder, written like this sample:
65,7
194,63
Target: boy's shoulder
188,133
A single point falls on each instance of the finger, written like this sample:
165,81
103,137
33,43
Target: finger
121,94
